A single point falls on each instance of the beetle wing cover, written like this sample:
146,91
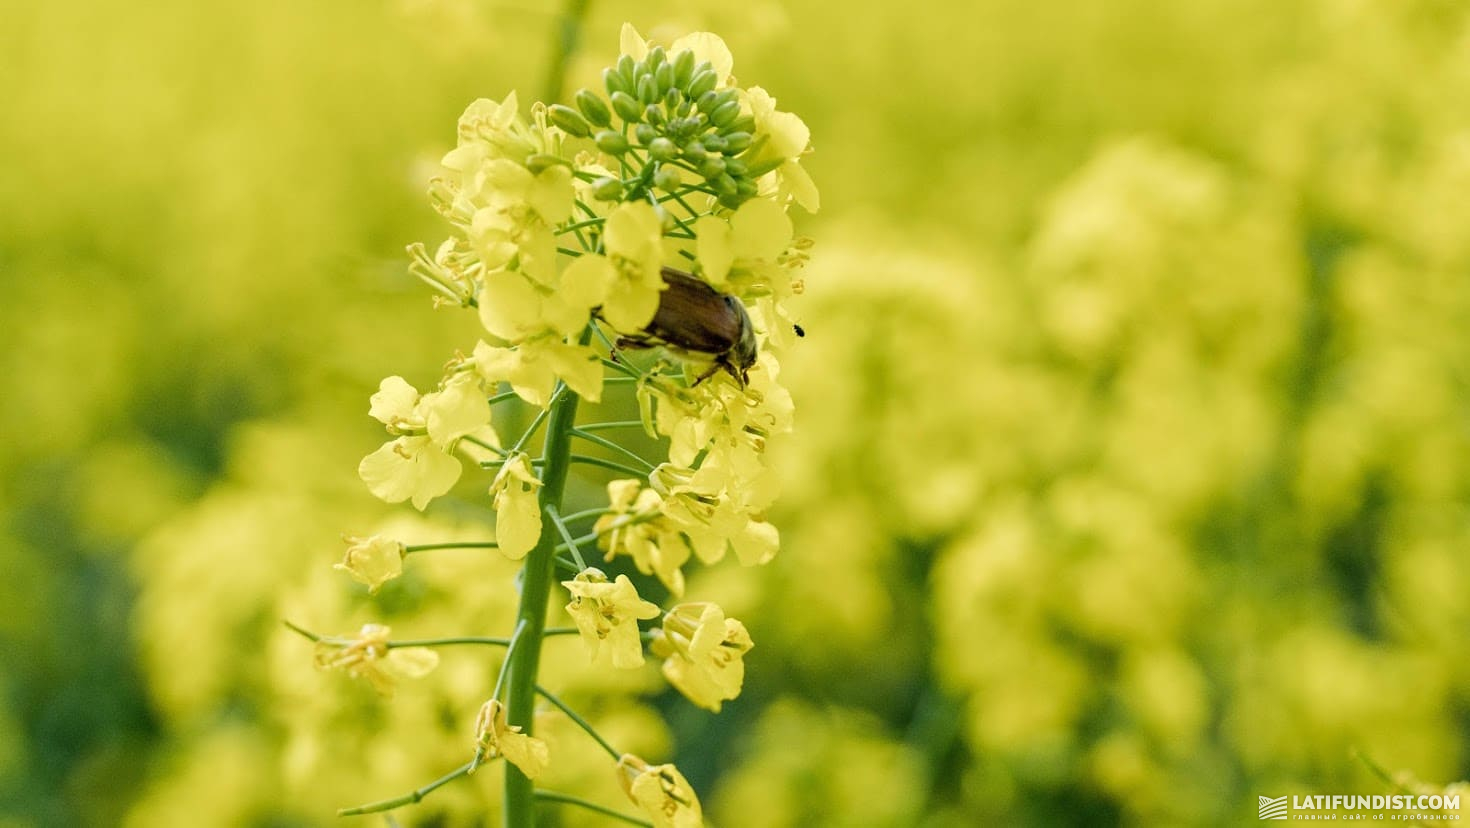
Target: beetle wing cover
694,316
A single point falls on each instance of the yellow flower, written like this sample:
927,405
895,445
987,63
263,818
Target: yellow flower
409,468
607,615
634,244
716,512
369,657
533,367
704,653
754,236
786,137
495,738
706,46
635,527
517,507
419,464
373,560
661,791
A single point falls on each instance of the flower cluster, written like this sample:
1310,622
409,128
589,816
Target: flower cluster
571,227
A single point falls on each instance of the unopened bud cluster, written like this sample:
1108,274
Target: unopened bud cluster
668,107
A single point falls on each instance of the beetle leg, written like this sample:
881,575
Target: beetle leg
707,374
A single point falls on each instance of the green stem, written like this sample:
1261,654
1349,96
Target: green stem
568,30
409,549
561,528
409,798
611,446
589,460
566,799
539,574
610,425
581,722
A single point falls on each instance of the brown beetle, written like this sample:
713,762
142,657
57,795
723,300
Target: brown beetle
696,321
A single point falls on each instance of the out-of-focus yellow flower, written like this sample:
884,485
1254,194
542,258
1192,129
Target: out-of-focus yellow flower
517,508
369,657
704,653
607,615
419,464
495,738
372,560
634,526
661,791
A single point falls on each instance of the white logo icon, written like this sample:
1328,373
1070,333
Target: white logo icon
1272,808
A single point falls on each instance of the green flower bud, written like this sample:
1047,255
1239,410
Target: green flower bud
626,68
758,170
664,77
745,123
694,153
538,162
673,98
736,142
736,167
666,178
707,101
732,200
662,149
593,109
568,120
613,81
745,188
655,58
715,143
682,128
654,114
726,94
685,107
607,189
683,68
644,134
647,89
612,143
627,107
711,166
702,83
725,113
723,184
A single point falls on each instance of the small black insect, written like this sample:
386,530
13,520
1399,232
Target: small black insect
695,321
800,331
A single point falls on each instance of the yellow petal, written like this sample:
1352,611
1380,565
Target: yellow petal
509,307
710,47
795,181
517,508
457,410
713,247
411,662
578,367
395,400
630,306
586,281
631,43
760,229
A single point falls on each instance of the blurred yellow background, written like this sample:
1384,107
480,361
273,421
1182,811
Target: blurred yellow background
1132,473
